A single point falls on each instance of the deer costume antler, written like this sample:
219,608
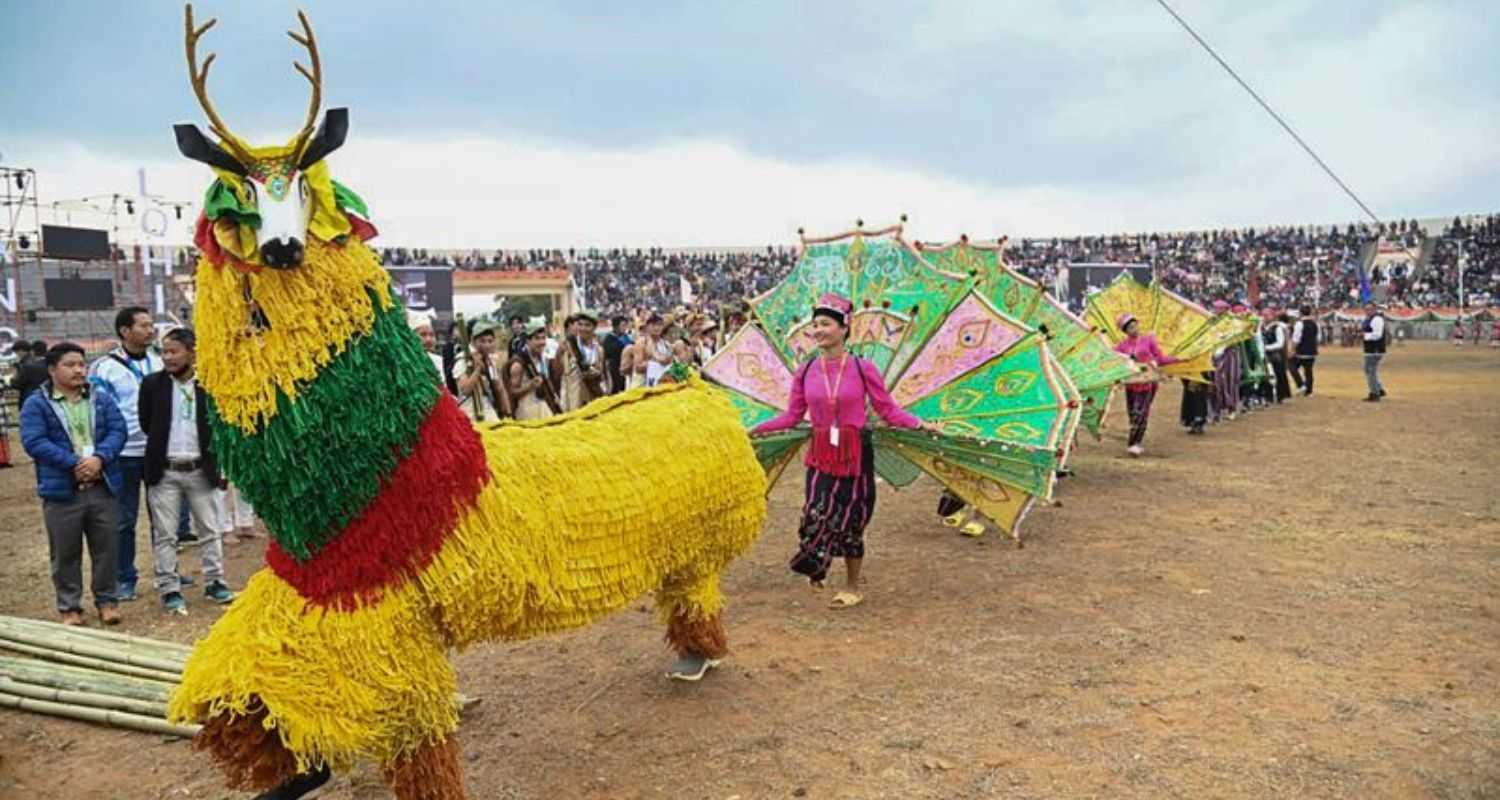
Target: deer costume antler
200,87
315,77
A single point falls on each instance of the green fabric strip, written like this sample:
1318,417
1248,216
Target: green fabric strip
320,460
221,201
347,200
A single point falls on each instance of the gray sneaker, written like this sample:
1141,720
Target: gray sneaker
692,668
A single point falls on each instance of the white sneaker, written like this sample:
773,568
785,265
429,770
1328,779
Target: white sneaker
1135,450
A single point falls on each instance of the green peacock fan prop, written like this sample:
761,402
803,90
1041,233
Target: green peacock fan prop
1085,355
1184,329
1005,405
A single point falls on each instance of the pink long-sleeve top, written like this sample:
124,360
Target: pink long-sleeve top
1144,350
810,397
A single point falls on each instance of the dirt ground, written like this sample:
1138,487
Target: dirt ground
1304,603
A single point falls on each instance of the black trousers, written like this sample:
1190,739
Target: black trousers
1302,372
1278,366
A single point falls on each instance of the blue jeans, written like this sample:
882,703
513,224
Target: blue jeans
131,468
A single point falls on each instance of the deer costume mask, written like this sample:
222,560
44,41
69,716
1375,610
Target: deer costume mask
400,530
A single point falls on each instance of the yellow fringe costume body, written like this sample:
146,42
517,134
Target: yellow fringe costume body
403,533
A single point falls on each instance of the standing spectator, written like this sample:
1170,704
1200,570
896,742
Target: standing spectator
1374,329
1305,346
615,344
118,376
179,462
75,436
1275,335
517,344
31,369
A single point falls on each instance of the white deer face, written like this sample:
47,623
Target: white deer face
273,178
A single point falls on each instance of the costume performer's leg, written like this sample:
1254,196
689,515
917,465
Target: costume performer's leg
430,773
695,629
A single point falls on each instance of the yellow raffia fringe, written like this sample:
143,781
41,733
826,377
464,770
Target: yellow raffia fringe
651,490
314,310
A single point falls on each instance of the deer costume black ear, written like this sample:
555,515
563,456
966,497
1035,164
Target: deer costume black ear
330,137
192,143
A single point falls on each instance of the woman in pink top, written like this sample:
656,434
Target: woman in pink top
832,390
1141,347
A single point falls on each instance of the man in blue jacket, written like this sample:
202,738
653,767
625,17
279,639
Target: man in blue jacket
75,435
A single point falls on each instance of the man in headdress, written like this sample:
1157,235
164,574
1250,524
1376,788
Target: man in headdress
481,386
579,363
421,324
530,375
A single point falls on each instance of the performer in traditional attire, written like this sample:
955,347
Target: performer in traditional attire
1254,381
833,390
1141,347
532,386
477,375
1226,391
579,364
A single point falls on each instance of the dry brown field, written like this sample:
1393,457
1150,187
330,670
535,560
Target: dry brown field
1304,603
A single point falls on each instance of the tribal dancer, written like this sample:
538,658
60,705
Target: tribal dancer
1226,390
833,390
1141,347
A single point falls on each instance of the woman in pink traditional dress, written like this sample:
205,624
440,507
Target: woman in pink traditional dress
832,389
1138,396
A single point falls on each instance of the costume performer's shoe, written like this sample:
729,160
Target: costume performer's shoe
298,786
692,668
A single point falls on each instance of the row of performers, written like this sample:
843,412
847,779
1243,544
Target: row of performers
535,377
523,380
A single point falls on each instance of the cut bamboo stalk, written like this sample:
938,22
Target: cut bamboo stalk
60,644
175,650
91,636
53,675
77,698
118,719
9,662
95,663
95,648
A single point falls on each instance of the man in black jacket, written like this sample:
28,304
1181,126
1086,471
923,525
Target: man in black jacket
31,369
1304,349
179,462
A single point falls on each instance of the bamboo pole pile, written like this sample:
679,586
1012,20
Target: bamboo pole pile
90,674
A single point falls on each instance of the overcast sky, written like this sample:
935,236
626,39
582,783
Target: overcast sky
735,123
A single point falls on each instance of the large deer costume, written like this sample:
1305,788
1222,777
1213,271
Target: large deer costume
401,531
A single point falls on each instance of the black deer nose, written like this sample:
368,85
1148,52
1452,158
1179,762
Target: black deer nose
282,253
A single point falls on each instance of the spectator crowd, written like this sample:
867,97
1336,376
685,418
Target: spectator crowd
1285,267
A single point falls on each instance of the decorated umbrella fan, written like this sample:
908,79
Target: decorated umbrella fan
1184,329
948,354
1092,365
